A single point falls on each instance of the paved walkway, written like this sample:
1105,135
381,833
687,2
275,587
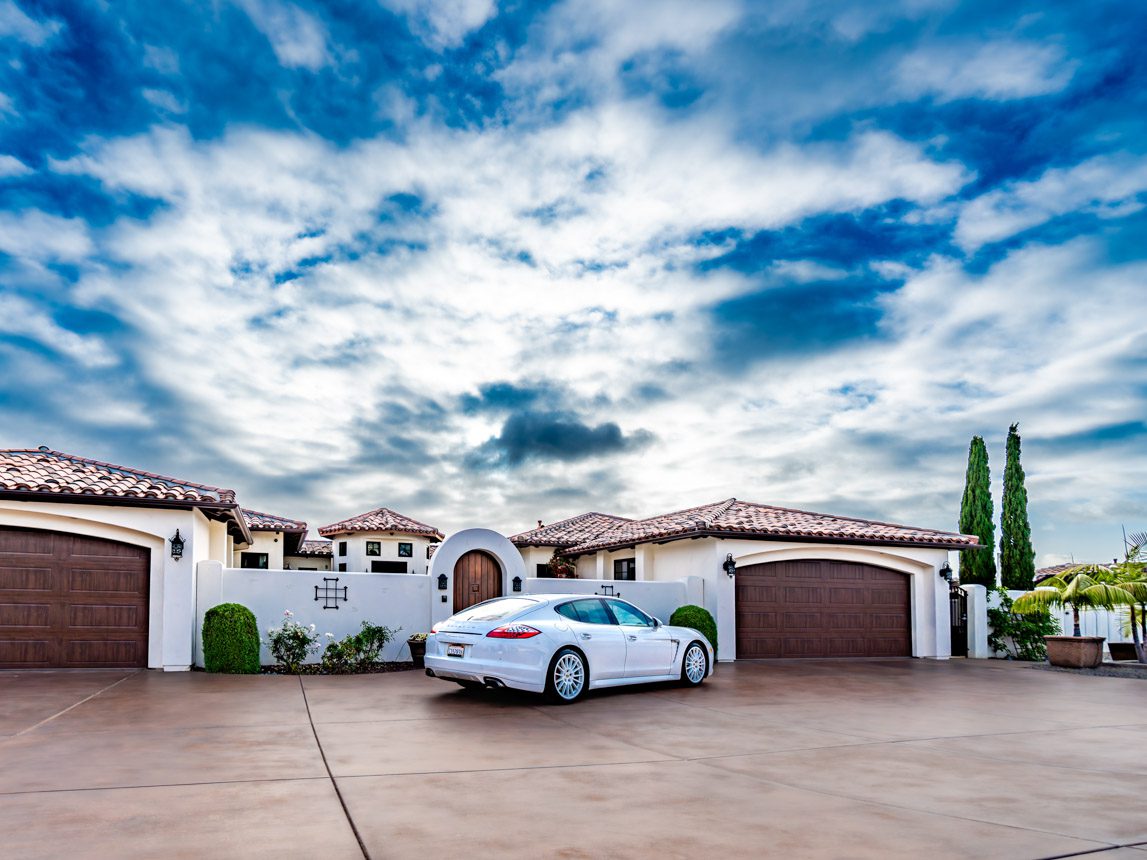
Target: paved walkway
914,759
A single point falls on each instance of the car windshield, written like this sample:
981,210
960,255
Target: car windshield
495,610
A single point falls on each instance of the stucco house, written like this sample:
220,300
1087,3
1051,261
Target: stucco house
780,582
97,561
310,555
381,541
273,540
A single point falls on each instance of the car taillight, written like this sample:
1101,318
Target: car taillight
434,629
513,631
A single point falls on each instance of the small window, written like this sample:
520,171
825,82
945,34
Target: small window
496,609
342,547
629,616
342,567
625,568
567,610
253,560
388,567
373,547
543,572
406,550
591,612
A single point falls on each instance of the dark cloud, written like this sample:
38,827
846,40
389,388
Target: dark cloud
554,436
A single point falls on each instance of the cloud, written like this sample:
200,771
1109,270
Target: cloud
1002,69
12,166
15,23
299,39
556,436
1108,186
444,25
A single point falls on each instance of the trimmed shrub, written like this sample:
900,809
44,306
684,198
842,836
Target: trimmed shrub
231,640
699,619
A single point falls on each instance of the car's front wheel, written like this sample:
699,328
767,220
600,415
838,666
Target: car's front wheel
568,677
694,665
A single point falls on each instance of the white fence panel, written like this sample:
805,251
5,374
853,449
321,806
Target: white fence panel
393,599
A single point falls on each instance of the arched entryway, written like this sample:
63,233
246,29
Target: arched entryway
71,601
477,577
822,608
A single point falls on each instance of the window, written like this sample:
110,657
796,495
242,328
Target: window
373,547
496,609
388,567
586,611
406,550
342,547
629,616
342,567
625,568
253,560
543,572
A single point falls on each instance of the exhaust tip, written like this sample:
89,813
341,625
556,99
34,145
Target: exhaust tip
493,683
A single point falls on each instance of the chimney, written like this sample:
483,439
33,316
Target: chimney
539,523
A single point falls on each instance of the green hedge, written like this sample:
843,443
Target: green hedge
699,619
231,640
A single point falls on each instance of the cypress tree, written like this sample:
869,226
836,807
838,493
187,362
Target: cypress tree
1017,558
978,566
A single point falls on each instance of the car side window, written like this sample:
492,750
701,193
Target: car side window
628,615
568,610
591,611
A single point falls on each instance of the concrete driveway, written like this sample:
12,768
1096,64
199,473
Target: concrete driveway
787,759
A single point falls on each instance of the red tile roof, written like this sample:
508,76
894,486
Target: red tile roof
579,529
53,475
257,521
734,518
315,548
1045,572
381,520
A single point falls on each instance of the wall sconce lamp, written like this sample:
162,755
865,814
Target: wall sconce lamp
516,582
177,543
946,572
729,566
441,582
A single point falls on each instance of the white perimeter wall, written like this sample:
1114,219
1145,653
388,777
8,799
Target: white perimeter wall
393,599
1092,622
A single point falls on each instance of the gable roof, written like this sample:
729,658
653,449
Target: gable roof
257,521
575,530
735,518
48,475
1056,569
315,549
381,520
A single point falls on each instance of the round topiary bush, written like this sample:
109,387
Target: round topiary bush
230,640
699,619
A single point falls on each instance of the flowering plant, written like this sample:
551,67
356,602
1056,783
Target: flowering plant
291,643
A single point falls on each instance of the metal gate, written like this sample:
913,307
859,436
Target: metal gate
958,610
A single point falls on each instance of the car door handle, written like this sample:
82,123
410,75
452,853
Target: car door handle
587,636
631,638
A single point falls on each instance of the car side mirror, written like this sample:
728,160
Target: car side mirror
656,623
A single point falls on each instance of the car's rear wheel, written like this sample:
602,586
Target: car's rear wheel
694,665
568,677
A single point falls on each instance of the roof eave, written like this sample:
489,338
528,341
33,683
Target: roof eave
737,535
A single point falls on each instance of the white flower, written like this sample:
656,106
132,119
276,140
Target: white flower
330,635
312,628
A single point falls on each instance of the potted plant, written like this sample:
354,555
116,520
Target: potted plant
1082,587
417,644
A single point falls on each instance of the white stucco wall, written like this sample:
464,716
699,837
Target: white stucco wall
392,599
357,561
268,542
171,599
298,562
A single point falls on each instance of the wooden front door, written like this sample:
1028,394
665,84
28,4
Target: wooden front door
69,601
821,608
477,577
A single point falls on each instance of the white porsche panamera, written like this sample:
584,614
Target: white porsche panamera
563,645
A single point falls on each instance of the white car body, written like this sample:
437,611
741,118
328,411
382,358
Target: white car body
464,647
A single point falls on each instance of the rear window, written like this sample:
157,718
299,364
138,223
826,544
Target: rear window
496,610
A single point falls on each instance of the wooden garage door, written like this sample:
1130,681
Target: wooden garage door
68,601
816,608
477,577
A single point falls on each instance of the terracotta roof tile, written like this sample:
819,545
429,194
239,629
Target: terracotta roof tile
574,530
257,521
315,548
1045,572
46,472
381,520
733,517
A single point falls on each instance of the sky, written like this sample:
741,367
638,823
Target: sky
492,262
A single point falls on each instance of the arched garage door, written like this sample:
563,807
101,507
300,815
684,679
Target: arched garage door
68,601
820,608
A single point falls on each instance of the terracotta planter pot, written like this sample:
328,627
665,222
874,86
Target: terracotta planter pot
1074,652
1122,650
417,652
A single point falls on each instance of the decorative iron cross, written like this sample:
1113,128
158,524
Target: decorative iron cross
330,594
607,591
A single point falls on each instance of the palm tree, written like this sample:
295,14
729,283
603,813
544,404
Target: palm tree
1132,577
1087,586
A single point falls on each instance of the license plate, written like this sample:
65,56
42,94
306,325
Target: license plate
455,650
